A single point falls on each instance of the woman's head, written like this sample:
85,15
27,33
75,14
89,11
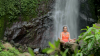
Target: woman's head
65,28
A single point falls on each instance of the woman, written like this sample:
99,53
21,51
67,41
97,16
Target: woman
65,36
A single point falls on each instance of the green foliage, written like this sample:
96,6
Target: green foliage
98,10
79,53
12,8
54,48
31,51
18,10
8,52
2,27
91,40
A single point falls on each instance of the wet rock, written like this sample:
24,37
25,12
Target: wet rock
27,54
28,26
31,33
40,55
21,55
36,51
7,45
12,42
45,55
20,49
25,48
17,44
37,21
5,38
18,30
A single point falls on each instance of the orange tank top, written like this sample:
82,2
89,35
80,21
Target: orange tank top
65,38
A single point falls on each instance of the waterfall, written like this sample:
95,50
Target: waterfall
66,13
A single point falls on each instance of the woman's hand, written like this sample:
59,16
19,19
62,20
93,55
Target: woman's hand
58,38
72,40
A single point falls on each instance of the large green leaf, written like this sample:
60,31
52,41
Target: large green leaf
97,37
65,52
45,50
50,51
80,37
61,52
79,54
87,27
90,45
84,29
57,43
51,45
96,31
99,31
88,31
88,37
81,33
31,51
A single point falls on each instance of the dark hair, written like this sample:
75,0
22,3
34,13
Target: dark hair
64,26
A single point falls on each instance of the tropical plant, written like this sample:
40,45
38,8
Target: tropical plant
91,41
8,52
31,51
54,48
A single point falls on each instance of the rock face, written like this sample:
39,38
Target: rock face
18,30
33,33
87,14
30,32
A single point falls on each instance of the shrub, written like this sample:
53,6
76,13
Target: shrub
91,43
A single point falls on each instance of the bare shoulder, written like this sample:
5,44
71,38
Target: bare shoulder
61,33
68,32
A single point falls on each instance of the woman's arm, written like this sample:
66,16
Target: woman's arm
61,38
71,40
69,37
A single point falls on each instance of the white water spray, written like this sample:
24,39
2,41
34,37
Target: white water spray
66,13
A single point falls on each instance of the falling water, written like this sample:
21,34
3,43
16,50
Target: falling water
66,14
